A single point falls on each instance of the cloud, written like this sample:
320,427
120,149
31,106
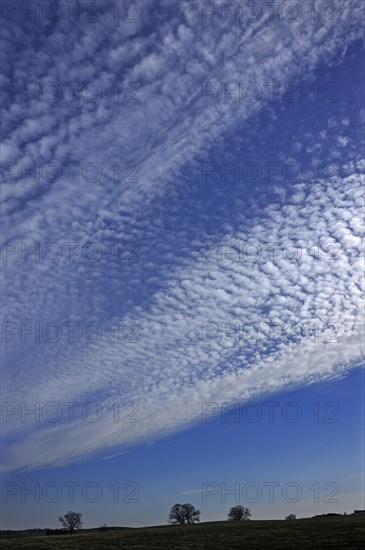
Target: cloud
191,492
209,310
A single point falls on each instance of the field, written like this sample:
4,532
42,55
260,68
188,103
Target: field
310,534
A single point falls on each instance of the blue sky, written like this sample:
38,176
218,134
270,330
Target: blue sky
191,241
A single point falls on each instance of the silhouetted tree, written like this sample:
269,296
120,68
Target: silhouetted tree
291,516
71,521
239,513
184,513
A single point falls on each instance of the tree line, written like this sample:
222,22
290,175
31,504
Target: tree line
180,514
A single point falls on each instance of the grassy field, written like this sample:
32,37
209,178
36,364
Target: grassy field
310,534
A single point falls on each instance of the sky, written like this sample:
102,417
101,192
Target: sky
182,261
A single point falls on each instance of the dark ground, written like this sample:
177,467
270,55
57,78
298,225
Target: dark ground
343,532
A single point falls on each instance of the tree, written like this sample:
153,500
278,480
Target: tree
239,513
291,516
184,513
191,515
71,521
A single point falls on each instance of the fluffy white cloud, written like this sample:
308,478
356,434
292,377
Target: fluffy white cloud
185,353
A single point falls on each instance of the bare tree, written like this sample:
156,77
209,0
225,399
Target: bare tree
239,513
71,521
191,515
177,514
184,513
291,516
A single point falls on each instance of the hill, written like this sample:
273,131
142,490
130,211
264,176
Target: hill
337,533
